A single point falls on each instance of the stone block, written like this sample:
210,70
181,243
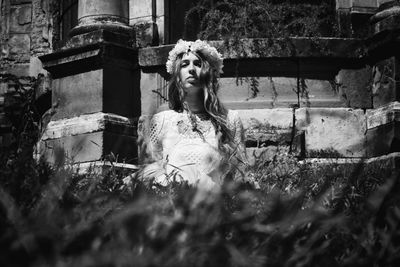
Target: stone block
19,47
17,70
110,90
36,67
265,127
89,138
121,93
355,87
153,88
278,92
25,15
89,147
365,3
332,132
3,89
90,123
343,4
278,118
78,94
384,139
73,149
20,19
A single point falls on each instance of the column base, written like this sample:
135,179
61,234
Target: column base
89,138
115,27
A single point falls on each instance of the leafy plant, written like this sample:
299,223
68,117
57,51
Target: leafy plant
261,19
301,216
275,21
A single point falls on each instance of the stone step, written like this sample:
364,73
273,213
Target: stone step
320,132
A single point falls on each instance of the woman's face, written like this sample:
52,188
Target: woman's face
189,73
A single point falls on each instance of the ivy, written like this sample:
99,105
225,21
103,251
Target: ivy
227,19
275,21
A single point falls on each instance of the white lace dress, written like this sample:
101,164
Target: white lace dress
182,152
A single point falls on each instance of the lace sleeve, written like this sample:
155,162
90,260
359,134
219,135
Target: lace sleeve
156,129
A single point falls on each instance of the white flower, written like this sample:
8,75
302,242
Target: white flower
210,53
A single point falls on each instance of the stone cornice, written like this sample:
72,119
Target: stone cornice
90,123
90,51
261,48
309,57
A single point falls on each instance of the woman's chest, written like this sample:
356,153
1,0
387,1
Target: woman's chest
184,130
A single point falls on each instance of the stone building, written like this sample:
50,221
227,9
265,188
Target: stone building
102,75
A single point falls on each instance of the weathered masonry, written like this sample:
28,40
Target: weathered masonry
101,65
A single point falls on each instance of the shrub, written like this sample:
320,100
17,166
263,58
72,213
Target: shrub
94,220
213,20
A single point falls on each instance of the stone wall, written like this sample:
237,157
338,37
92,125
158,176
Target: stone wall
26,32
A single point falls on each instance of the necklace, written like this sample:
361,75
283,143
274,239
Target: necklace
196,125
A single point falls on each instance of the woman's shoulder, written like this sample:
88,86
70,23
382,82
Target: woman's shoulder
159,123
233,116
233,113
165,114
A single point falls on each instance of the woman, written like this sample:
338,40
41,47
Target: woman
197,140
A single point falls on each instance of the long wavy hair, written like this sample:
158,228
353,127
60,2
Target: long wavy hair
215,110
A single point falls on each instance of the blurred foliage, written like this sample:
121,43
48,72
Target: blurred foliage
303,215
20,174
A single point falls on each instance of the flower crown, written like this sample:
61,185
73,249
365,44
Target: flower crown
210,53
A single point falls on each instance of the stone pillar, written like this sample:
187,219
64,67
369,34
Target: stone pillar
95,89
102,14
383,121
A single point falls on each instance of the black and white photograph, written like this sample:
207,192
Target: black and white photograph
199,133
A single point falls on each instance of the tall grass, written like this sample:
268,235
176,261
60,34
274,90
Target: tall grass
96,220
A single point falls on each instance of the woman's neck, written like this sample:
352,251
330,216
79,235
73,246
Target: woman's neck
195,103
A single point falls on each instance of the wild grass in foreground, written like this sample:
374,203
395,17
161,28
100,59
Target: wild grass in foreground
95,220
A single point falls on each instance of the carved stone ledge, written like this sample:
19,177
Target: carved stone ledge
314,57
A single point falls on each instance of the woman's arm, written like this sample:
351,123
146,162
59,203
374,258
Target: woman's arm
155,135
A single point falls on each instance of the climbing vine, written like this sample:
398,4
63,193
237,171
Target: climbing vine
227,19
275,21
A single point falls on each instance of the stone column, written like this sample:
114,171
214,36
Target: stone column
102,14
95,89
383,121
